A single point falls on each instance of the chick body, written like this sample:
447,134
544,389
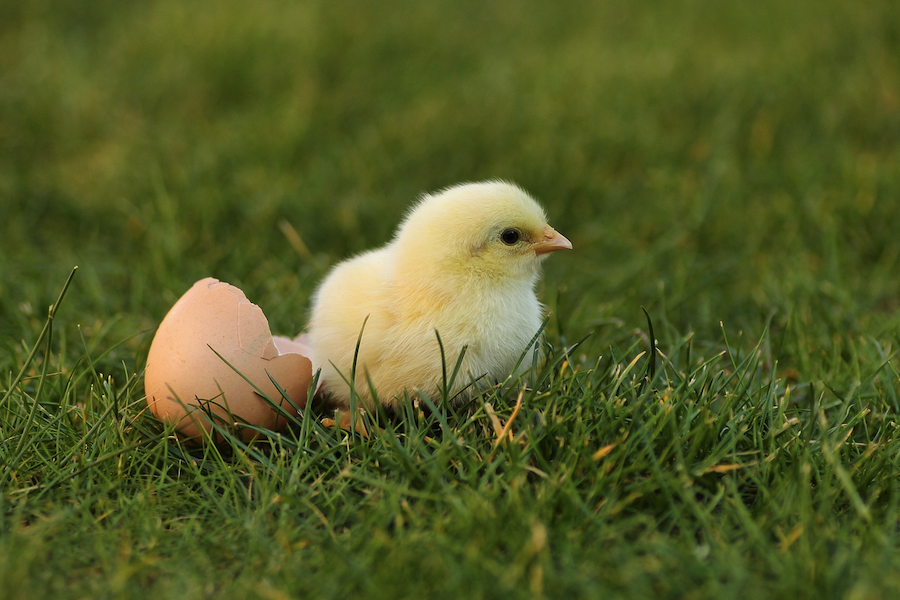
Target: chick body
448,270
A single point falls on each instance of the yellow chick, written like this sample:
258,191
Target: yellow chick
464,264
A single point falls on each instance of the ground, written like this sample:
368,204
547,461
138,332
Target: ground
729,168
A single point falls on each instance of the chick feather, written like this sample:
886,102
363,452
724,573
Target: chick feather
463,265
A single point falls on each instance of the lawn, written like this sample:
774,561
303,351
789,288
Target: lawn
717,414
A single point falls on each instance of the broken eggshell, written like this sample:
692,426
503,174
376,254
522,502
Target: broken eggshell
212,341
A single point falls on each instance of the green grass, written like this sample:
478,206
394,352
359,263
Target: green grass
729,167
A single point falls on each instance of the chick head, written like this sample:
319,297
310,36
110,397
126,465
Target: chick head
491,230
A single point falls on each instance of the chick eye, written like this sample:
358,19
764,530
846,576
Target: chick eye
510,236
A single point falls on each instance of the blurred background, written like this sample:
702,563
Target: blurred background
711,161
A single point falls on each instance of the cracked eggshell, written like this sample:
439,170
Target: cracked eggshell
185,378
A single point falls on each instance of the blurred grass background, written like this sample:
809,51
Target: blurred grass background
714,162
728,158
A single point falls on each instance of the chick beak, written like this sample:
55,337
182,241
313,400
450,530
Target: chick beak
551,241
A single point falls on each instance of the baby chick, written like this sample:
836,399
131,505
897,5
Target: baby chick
464,264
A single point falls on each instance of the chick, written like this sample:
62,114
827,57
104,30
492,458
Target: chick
463,263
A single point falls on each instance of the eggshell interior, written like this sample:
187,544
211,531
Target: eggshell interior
214,353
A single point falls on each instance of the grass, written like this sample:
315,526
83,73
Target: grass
730,168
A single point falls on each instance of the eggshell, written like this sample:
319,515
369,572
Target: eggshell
185,378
